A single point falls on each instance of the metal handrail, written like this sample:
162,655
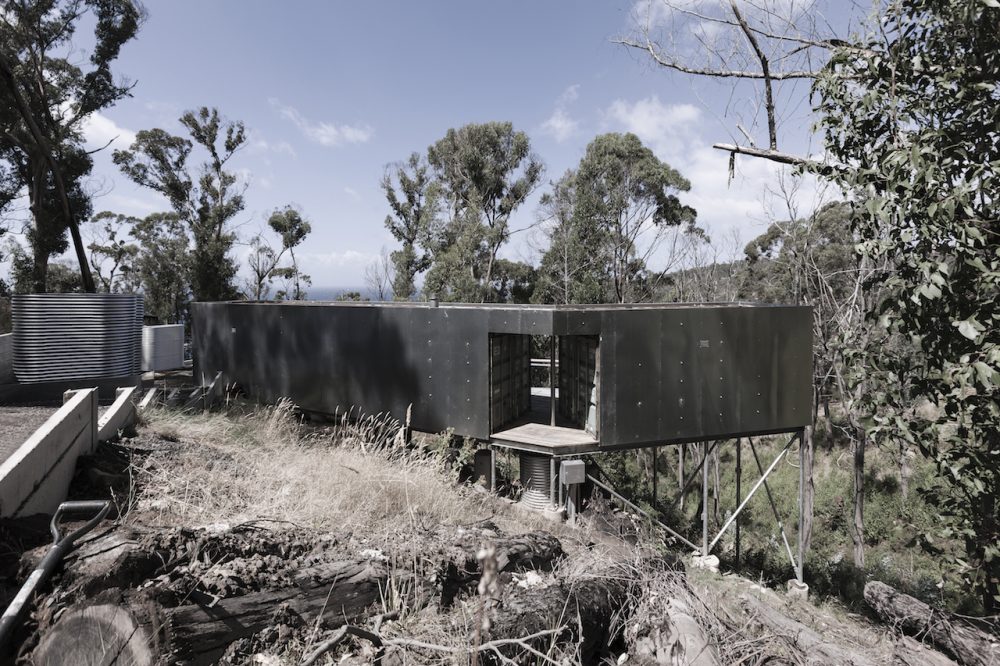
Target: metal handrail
635,507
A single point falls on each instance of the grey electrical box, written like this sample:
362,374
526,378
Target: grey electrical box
572,472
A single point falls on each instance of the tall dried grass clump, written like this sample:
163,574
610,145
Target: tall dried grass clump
263,464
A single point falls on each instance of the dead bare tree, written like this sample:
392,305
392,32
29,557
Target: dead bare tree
766,48
379,275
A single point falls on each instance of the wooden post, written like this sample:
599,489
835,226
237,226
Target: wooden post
681,451
493,469
739,495
656,451
552,380
552,482
803,461
704,499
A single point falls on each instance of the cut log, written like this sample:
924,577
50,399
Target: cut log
956,638
672,638
589,610
199,633
909,652
532,550
816,648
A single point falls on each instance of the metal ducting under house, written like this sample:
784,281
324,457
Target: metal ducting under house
162,347
60,337
536,481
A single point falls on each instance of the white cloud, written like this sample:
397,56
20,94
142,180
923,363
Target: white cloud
99,130
259,144
324,133
673,132
350,191
665,128
137,206
347,258
560,125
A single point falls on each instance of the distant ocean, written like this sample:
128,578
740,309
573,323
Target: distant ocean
332,293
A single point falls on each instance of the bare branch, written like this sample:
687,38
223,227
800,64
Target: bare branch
657,55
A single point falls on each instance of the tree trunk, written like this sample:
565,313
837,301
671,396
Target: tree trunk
969,645
586,610
909,652
815,648
198,633
808,491
674,639
858,504
905,469
105,572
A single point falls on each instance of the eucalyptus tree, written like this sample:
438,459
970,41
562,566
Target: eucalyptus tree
572,267
485,172
48,96
911,119
112,255
412,194
162,268
265,259
626,198
206,198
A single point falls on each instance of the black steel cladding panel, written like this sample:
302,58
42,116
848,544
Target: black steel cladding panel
466,343
635,356
795,363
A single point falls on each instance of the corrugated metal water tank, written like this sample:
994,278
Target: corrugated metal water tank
76,336
162,347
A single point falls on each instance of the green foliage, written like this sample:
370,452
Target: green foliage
572,270
451,213
162,268
264,260
47,96
911,118
597,216
111,255
412,194
206,199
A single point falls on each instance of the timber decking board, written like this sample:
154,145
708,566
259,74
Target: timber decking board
545,438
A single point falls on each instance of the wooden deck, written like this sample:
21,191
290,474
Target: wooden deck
554,440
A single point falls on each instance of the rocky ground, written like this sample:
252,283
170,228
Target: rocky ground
247,539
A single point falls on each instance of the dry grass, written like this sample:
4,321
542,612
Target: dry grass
350,479
232,469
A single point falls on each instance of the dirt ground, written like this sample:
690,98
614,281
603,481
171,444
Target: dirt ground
17,424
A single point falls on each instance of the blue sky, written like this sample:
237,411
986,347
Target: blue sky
333,91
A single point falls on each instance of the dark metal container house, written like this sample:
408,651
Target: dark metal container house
627,375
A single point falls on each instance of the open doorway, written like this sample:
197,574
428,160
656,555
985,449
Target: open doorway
544,388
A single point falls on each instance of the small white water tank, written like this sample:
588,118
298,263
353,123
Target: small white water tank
162,347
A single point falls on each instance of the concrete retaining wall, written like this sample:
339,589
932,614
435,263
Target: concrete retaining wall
36,478
7,358
119,417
